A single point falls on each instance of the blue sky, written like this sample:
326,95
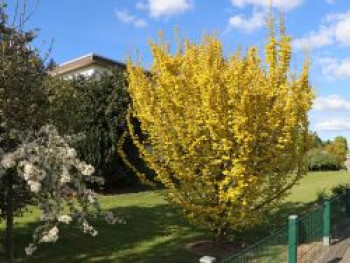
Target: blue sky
117,28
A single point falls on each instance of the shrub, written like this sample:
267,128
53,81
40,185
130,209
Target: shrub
227,137
58,180
321,160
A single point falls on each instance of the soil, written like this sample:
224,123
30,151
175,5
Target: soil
210,248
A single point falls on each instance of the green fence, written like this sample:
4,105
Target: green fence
271,249
310,235
304,239
340,211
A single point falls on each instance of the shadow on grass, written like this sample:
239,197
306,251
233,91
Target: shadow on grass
272,222
152,234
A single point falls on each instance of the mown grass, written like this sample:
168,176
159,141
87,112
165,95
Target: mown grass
316,182
154,231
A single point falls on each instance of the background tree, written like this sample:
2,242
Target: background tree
23,110
22,104
95,107
51,65
227,137
341,140
316,141
339,148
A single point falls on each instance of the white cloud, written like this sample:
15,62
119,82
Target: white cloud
141,5
165,8
334,124
335,28
285,5
248,24
140,23
323,37
155,8
342,31
126,18
334,68
336,16
258,18
331,103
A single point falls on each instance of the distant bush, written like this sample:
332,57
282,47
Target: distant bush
327,155
321,160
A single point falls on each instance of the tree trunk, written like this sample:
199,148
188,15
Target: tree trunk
220,235
9,249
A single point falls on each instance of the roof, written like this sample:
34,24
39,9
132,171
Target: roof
84,61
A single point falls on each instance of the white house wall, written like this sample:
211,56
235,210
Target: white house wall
87,72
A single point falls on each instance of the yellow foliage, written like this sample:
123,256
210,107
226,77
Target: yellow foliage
226,136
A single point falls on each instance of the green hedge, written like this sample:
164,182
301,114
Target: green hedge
95,108
320,160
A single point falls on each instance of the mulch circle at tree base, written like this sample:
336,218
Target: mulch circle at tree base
211,248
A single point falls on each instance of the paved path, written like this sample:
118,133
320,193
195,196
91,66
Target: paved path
346,257
339,251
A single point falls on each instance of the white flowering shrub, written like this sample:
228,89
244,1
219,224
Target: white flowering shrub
59,181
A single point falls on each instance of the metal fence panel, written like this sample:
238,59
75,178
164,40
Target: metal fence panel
311,229
269,250
310,239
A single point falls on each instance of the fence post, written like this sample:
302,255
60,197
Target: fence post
347,202
327,223
293,239
207,259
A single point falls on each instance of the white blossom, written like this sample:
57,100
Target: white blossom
53,173
9,161
91,199
65,176
110,218
65,219
93,233
86,227
29,170
71,153
30,249
34,186
88,170
89,229
51,236
31,173
48,239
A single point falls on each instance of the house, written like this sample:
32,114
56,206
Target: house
90,65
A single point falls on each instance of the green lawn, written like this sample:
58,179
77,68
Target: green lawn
313,183
154,231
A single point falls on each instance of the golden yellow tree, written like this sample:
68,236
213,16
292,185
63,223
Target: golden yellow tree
226,136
